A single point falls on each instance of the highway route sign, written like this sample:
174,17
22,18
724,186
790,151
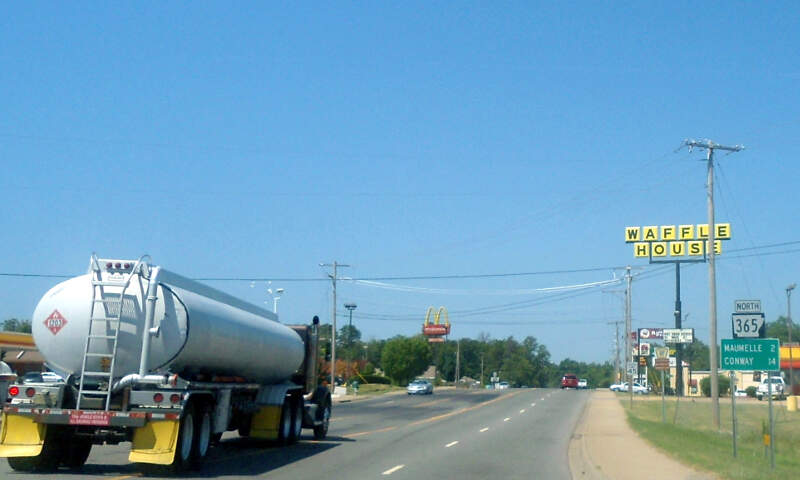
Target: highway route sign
632,369
750,354
748,325
747,306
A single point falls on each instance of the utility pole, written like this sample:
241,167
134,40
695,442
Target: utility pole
481,370
789,324
458,361
678,325
617,371
333,278
712,272
616,348
628,352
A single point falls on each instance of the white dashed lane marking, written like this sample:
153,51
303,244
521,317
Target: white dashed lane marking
507,419
522,411
484,429
393,469
451,444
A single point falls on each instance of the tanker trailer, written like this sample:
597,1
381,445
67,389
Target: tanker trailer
161,361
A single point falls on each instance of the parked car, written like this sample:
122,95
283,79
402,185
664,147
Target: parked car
569,381
583,383
502,386
616,387
778,388
420,387
52,377
623,387
740,393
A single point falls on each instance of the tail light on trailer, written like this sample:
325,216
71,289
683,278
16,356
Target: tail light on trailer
158,398
174,398
30,391
13,390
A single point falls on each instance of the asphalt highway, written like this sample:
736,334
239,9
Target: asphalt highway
469,434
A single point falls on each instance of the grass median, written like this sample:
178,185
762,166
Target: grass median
690,437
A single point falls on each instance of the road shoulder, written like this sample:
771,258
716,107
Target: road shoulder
603,446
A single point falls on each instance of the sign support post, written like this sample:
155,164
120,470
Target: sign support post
663,405
771,423
733,409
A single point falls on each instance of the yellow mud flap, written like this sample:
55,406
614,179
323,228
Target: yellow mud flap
265,422
155,442
21,436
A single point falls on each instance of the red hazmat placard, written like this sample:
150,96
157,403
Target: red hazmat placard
55,322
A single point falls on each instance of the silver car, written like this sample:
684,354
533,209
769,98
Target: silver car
420,387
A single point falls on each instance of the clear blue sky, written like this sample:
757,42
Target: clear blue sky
232,140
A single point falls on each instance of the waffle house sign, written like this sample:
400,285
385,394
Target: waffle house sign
682,241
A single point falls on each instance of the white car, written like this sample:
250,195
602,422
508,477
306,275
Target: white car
583,383
623,387
51,377
740,393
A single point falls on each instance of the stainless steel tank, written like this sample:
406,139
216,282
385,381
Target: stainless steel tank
198,330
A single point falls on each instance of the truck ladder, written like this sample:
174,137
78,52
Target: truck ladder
109,315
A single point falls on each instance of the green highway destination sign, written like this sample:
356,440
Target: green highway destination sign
750,354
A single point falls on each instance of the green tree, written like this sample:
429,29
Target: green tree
17,325
724,385
780,329
404,358
697,355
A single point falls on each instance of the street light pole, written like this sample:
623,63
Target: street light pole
789,322
333,278
276,295
350,307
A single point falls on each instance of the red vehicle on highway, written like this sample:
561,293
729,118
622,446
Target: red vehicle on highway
569,381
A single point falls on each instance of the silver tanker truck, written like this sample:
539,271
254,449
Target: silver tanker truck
161,361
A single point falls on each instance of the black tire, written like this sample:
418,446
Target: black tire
48,459
76,453
185,445
297,419
324,417
285,425
244,427
202,436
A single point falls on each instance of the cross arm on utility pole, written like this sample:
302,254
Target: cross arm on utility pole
691,143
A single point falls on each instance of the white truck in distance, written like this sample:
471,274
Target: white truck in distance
778,388
161,361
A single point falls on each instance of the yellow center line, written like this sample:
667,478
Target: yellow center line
123,477
462,410
428,404
351,435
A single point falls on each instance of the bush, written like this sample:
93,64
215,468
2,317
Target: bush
724,383
751,391
376,379
369,369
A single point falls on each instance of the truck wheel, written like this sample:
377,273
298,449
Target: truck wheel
202,440
285,427
184,447
297,419
76,453
324,417
47,460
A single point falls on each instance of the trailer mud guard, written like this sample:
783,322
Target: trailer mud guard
21,436
265,422
155,442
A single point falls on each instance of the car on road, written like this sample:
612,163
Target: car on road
420,387
740,393
41,377
502,386
583,383
569,381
